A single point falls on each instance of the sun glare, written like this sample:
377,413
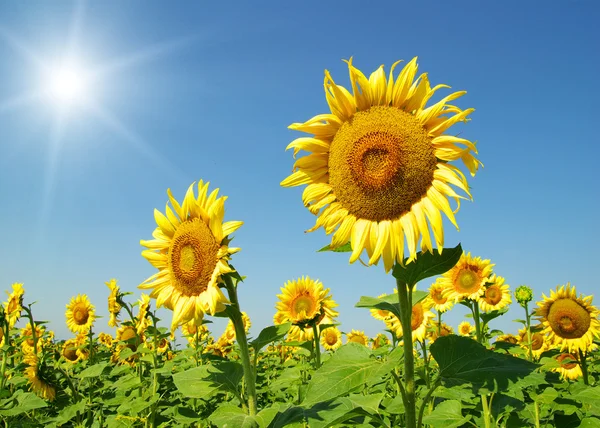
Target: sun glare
66,85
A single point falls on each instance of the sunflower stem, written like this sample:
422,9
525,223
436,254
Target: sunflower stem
315,328
439,326
425,401
5,331
426,361
528,326
404,298
584,367
475,310
240,334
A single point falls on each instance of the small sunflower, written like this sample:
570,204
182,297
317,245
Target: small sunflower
113,306
142,318
191,250
379,165
465,328
435,332
436,296
381,314
190,329
569,366
357,336
105,339
73,349
508,338
420,320
80,314
539,343
331,338
128,334
229,334
380,341
569,321
35,372
467,279
163,346
496,295
304,300
14,305
27,336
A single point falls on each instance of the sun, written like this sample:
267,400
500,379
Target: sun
66,85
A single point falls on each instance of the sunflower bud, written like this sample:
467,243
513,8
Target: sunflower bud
524,295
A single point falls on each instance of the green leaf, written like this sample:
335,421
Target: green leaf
590,422
427,265
389,302
230,416
69,412
328,414
447,414
135,406
270,334
346,371
548,396
464,360
25,401
486,317
93,371
205,381
346,248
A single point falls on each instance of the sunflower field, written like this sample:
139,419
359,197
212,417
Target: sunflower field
380,168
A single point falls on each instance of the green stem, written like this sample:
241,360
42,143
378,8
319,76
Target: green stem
475,310
486,411
425,400
584,367
404,298
315,328
536,409
528,326
426,360
439,323
400,386
5,330
240,334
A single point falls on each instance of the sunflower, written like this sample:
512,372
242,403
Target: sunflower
569,321
2,337
436,297
304,300
467,279
304,334
420,319
380,341
539,343
80,314
190,329
229,333
14,305
569,369
381,314
163,346
191,250
496,295
508,338
113,306
465,328
378,167
27,336
74,349
331,338
357,336
142,319
105,339
36,375
128,334
435,331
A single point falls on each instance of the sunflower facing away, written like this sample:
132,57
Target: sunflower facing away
304,300
191,250
35,372
142,321
80,314
357,336
495,296
378,172
14,305
331,338
467,279
570,322
113,307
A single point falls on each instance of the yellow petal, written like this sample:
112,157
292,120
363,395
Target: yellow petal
360,234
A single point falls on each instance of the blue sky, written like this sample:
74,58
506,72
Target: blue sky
207,91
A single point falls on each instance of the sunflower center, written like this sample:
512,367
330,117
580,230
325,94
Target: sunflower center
192,257
568,366
417,317
438,297
493,295
331,338
80,315
304,305
467,281
568,319
465,329
537,341
381,162
70,353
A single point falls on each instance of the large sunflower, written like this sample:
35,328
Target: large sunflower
14,305
378,168
80,314
467,279
496,295
570,321
113,306
305,300
331,338
191,250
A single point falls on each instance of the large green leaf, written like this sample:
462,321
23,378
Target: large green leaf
389,302
93,371
270,334
230,416
22,402
427,264
447,414
342,409
463,360
346,371
205,381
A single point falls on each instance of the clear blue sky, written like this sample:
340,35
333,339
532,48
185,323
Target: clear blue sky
207,90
